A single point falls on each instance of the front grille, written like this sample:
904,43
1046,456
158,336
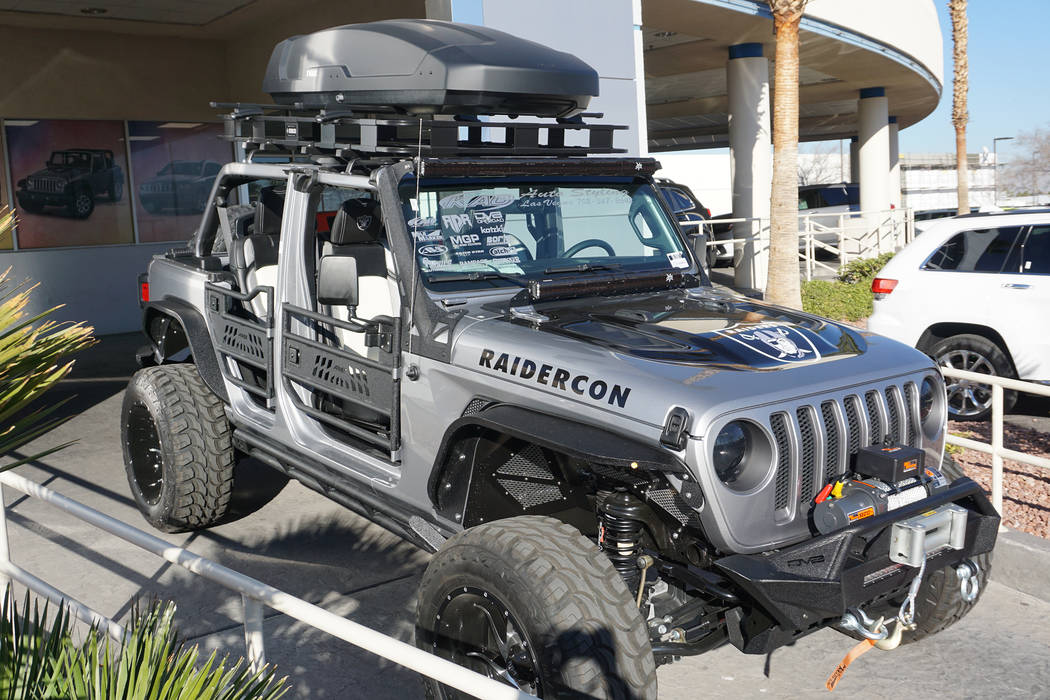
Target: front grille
815,443
46,184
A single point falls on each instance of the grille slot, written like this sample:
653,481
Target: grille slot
894,415
853,424
911,418
778,422
807,453
875,431
831,440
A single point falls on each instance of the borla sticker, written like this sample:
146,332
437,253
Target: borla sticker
775,341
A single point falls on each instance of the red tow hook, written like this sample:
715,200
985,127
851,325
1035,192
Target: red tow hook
824,493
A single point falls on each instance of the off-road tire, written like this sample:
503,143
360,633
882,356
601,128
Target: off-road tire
116,190
940,604
82,205
991,352
564,592
195,452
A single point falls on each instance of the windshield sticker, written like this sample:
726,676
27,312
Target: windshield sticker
465,200
422,222
432,250
555,377
677,260
774,340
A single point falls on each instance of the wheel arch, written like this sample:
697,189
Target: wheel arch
172,326
468,482
944,330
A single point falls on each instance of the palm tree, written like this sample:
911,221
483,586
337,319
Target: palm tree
782,284
960,86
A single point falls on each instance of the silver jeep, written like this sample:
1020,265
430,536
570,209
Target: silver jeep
509,354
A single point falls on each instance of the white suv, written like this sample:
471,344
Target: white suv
973,292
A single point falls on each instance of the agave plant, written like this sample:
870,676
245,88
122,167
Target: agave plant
34,356
153,664
31,649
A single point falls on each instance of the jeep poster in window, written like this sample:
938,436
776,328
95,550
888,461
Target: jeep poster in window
6,238
70,180
173,166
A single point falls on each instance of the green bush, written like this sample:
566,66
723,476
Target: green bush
863,269
837,300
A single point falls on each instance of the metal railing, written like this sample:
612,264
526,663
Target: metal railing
255,595
996,449
845,235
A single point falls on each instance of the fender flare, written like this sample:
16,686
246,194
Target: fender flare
568,437
197,337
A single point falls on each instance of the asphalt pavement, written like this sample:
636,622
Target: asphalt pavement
312,548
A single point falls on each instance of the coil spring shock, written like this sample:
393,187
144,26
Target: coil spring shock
620,534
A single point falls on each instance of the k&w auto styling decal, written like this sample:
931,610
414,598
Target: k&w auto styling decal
555,377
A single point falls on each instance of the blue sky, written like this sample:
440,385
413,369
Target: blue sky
1009,77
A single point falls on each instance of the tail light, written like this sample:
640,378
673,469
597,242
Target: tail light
144,292
881,286
707,213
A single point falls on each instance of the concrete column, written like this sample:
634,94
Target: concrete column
873,134
854,160
611,44
751,162
895,164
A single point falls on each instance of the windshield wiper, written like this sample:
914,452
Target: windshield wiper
581,267
475,276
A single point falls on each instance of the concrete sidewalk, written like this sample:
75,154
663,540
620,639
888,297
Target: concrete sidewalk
312,548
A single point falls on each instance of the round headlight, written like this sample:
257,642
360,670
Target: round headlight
927,393
731,448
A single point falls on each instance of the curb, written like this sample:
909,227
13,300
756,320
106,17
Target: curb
1022,562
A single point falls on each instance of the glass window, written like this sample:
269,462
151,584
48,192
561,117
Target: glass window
521,231
834,196
1036,253
678,200
979,250
810,199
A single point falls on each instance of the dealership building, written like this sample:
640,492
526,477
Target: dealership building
113,96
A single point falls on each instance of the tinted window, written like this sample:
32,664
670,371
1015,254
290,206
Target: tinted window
809,199
835,196
1036,253
980,250
678,200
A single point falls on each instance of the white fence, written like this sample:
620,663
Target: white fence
254,596
996,449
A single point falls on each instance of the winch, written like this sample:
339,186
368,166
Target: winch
887,478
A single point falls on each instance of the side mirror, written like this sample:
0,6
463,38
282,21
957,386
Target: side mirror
337,281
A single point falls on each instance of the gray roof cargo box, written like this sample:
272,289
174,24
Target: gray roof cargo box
428,67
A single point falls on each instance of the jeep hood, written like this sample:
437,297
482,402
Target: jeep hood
66,174
642,354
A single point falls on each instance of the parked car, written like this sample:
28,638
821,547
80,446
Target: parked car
925,218
181,186
828,206
72,179
973,292
691,213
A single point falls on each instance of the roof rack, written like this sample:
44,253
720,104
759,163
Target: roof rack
296,130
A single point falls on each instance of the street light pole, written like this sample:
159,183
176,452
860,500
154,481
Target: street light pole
995,157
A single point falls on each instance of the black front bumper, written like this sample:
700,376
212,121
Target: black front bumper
804,586
54,199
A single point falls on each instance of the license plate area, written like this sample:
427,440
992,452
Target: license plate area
915,539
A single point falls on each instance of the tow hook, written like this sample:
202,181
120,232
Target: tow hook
856,620
969,585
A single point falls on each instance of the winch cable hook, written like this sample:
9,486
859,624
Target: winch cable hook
906,614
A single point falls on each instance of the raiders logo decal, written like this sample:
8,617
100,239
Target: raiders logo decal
775,341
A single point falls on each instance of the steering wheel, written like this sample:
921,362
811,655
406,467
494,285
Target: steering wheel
590,243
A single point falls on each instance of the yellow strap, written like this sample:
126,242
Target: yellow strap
849,658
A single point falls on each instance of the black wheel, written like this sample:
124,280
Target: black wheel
177,450
940,603
533,603
116,190
82,205
969,400
712,257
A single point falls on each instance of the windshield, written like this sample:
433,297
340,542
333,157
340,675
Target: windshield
69,159
487,234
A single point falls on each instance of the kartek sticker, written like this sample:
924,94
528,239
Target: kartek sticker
861,514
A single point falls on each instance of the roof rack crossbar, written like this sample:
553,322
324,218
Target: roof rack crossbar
288,130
